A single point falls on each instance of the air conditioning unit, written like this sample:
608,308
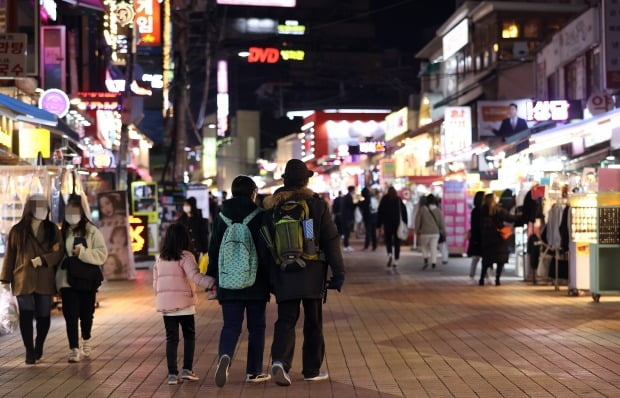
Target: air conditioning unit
520,50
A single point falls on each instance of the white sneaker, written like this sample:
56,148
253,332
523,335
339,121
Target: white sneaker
321,376
279,374
259,378
86,349
74,356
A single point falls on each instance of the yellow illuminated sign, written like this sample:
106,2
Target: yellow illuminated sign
137,230
6,139
33,141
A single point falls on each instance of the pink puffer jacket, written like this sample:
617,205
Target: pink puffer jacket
172,281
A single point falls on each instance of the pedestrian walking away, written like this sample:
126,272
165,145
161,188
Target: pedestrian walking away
430,226
197,227
391,211
369,207
347,210
251,300
33,250
175,298
84,244
474,247
302,281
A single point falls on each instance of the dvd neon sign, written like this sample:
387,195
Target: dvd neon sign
272,55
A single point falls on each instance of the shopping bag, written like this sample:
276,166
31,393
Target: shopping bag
9,315
203,263
403,231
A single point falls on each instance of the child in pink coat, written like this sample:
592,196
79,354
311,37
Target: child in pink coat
173,273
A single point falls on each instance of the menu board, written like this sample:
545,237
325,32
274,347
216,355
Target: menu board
456,215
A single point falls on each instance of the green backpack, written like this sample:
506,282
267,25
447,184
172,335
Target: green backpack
292,240
238,261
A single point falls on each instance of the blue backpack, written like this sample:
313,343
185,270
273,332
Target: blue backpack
237,260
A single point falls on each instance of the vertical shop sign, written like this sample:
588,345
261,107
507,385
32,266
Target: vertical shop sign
148,21
456,217
388,171
457,129
611,30
13,55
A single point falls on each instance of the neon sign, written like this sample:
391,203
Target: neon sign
541,111
271,55
148,22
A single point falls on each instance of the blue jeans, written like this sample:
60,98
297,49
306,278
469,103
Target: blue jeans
232,312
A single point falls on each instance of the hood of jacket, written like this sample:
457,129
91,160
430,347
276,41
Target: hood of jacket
284,194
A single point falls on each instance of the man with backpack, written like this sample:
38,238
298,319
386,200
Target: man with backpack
242,278
303,240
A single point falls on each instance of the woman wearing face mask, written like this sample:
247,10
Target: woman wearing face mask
196,226
84,240
33,251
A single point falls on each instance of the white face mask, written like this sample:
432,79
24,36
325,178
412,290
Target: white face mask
72,219
187,209
40,213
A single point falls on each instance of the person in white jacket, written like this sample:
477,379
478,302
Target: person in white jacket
84,241
175,297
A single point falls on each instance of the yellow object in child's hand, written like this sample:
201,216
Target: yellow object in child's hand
203,263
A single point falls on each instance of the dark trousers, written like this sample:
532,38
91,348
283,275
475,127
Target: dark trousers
172,341
392,240
370,225
232,312
486,264
347,227
313,349
31,306
78,306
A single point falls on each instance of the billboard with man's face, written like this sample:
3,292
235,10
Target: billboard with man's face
491,114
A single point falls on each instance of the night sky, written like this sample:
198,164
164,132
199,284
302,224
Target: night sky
409,24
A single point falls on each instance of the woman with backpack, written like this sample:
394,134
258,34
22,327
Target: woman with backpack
175,298
85,243
251,300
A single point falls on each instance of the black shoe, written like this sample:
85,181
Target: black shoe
38,350
221,372
481,283
30,357
433,265
497,283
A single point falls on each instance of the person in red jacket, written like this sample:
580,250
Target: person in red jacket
175,297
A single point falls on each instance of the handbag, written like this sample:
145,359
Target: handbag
442,236
82,276
402,232
505,232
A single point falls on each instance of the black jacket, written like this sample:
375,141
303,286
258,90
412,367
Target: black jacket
388,213
237,209
198,229
474,247
494,248
308,282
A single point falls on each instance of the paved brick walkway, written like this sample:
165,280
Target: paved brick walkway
408,334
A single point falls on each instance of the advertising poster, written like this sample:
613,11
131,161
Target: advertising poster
456,215
201,193
114,225
491,115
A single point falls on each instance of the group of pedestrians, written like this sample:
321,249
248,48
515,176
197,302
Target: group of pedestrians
487,242
35,266
304,285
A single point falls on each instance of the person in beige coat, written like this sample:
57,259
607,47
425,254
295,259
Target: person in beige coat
429,224
83,240
33,251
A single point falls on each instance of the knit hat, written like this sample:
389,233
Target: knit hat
296,170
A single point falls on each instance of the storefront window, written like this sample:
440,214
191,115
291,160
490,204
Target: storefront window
575,79
510,29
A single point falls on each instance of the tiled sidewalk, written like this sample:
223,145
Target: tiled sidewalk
408,334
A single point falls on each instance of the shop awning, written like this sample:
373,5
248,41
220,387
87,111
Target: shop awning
96,5
22,112
64,130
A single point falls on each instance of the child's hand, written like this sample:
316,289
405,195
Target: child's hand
210,282
212,294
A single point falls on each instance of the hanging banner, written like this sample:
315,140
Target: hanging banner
148,23
114,225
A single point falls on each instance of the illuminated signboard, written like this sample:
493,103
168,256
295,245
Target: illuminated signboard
396,123
266,3
540,111
271,55
291,28
99,101
32,141
139,234
455,39
457,129
148,19
55,101
6,132
222,100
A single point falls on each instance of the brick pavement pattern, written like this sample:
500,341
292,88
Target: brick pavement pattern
410,333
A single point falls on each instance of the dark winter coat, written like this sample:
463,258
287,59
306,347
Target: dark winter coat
494,248
364,205
237,209
388,213
347,209
309,282
475,238
198,229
